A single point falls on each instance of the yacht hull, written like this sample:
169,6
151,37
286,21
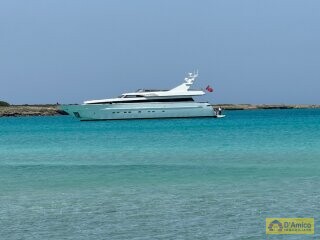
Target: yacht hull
120,111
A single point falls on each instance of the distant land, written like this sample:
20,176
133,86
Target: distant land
30,110
265,106
52,110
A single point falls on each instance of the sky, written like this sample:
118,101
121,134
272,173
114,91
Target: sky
250,51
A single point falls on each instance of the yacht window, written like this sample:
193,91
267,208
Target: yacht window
132,96
149,100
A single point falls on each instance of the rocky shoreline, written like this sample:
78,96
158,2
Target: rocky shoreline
53,110
30,110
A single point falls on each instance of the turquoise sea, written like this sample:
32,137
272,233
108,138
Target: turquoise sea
159,179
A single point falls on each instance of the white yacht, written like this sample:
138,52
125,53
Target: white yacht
146,104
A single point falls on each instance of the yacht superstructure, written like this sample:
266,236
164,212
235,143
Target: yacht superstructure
146,104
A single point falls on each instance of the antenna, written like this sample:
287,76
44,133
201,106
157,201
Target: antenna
196,73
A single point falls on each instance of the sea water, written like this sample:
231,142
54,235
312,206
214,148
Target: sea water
159,179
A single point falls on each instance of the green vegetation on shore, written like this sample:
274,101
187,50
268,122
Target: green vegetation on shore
7,110
30,110
4,104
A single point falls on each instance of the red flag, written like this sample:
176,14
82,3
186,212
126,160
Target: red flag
209,89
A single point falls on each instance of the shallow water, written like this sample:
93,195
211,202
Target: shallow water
158,179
